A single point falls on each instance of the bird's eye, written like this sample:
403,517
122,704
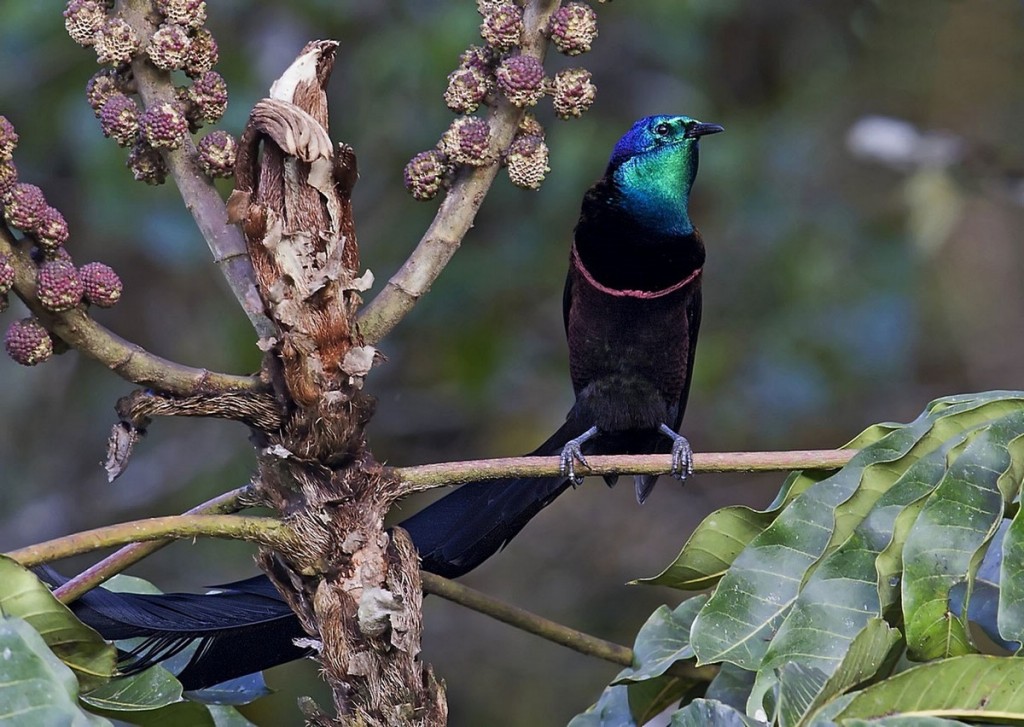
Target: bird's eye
663,129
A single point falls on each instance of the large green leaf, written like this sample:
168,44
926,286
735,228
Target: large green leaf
731,686
611,710
737,623
708,713
908,720
147,690
178,714
1011,581
23,595
648,699
974,686
945,545
840,597
752,598
662,641
720,537
889,563
872,651
712,547
36,688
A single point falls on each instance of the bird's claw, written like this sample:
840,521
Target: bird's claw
682,459
571,454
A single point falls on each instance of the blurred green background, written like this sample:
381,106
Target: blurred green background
839,290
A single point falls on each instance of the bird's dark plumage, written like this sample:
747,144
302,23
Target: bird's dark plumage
632,308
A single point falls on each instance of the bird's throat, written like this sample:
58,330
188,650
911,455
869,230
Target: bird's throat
654,189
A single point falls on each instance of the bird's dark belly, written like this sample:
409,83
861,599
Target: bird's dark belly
628,357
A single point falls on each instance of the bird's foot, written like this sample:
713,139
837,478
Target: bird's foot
572,453
682,454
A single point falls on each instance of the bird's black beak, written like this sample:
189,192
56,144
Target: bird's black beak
698,130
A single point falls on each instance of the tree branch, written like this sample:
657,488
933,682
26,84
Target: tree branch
229,502
460,205
428,476
267,531
124,358
196,189
545,628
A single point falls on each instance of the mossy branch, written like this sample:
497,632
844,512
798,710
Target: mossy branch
200,196
430,476
458,210
267,531
128,360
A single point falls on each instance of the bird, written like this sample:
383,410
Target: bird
631,310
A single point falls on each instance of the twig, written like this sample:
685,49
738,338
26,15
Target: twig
522,619
124,358
229,502
200,196
267,531
545,628
459,208
429,476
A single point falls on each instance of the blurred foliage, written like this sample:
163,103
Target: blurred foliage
828,302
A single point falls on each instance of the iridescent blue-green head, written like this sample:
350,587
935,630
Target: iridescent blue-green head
653,167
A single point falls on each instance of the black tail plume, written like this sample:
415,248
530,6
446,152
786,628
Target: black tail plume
245,627
241,628
463,529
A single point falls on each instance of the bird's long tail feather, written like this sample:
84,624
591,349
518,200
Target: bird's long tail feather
240,628
246,627
463,529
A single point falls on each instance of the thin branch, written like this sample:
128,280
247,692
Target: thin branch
428,476
267,531
201,198
460,205
545,628
129,555
124,358
524,620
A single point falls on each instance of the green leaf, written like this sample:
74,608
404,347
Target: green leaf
723,535
662,641
147,690
731,686
650,698
737,622
23,595
946,542
983,609
241,690
611,710
192,714
840,597
36,688
870,652
889,563
712,547
799,685
974,687
902,721
1011,581
227,716
709,713
178,714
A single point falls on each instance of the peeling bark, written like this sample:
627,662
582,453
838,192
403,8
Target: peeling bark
355,587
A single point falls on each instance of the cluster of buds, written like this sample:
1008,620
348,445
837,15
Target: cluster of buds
179,43
500,69
59,284
527,159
